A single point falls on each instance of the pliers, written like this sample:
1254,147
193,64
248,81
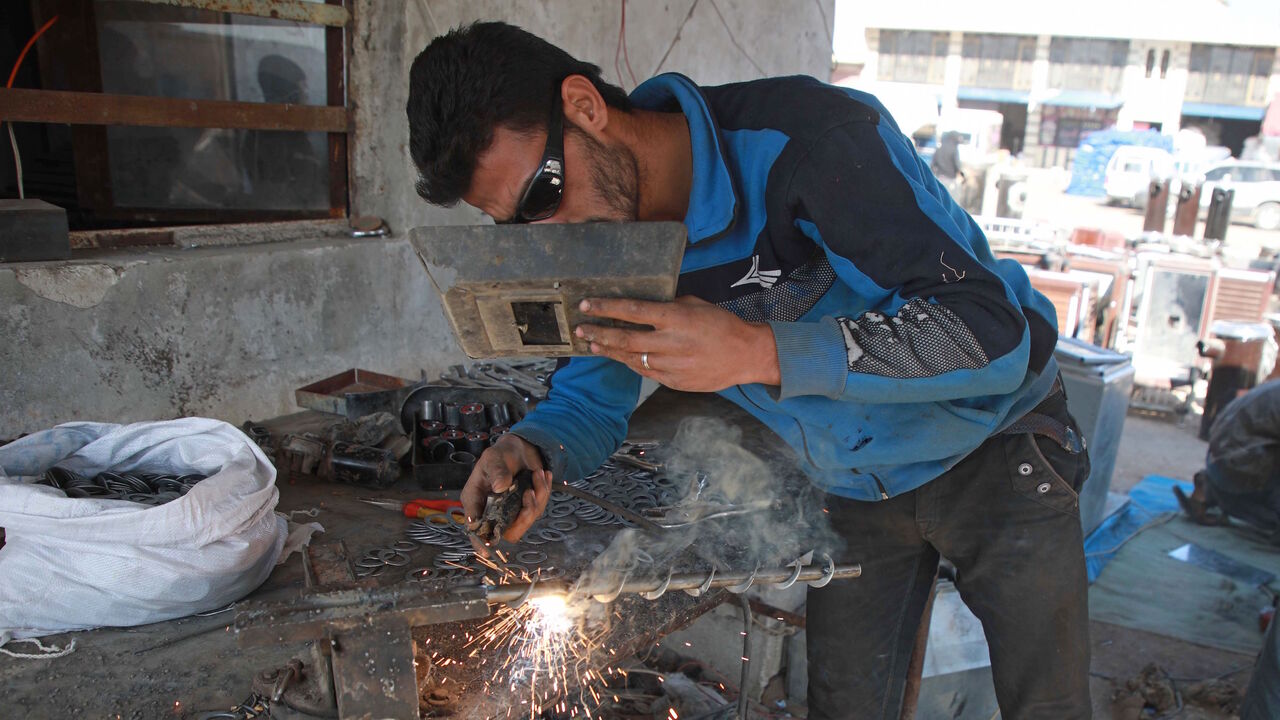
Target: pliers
418,508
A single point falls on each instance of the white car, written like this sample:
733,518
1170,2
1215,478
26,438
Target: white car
1130,172
1257,191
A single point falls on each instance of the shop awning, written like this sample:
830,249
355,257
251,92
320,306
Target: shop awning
1226,112
993,95
1084,99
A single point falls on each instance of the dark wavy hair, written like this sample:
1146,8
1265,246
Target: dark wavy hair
468,82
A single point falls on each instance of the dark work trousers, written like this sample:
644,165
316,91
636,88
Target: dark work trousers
1008,518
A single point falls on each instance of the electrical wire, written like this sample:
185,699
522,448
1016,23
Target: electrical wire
13,74
621,51
746,655
17,162
27,48
625,56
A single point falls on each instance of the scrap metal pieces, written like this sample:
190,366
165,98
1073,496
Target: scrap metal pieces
501,509
145,488
339,461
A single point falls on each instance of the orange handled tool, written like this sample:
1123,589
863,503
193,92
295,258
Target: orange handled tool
423,508
415,508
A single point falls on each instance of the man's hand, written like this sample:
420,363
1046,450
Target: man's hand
695,346
494,472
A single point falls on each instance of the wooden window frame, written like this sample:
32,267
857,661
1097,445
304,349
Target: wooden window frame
903,61
1211,84
89,111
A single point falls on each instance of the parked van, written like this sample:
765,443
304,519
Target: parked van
1130,172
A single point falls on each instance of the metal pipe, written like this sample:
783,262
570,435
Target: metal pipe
679,581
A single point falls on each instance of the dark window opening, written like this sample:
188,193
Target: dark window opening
229,117
537,323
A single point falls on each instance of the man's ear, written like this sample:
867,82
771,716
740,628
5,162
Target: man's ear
583,105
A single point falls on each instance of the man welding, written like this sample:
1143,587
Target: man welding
833,290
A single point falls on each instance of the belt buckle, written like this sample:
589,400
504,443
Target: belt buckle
1074,441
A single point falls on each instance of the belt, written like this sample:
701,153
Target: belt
1037,422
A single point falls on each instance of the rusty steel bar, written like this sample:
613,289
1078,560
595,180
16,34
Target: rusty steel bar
81,108
295,10
640,521
777,613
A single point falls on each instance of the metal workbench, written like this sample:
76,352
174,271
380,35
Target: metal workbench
179,667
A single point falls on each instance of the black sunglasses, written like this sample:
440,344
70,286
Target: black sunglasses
542,198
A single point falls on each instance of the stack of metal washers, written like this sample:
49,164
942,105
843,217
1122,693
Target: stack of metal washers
377,560
620,483
145,488
633,489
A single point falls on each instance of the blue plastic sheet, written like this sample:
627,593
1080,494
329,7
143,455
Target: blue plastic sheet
1089,169
1148,500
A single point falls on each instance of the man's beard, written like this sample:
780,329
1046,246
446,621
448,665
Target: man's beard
614,178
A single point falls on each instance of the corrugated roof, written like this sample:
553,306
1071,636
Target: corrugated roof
1230,22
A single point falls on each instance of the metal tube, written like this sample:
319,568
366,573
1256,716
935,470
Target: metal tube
679,581
635,517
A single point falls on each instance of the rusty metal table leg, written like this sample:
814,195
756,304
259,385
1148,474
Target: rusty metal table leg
373,671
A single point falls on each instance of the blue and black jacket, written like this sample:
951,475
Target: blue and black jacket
903,342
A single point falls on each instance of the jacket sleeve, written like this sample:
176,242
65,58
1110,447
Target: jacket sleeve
584,417
940,324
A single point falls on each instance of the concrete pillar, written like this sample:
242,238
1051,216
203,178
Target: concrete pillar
1176,84
1273,85
1039,88
951,78
871,69
1134,82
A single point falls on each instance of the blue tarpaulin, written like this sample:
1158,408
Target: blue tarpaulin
1089,169
1149,501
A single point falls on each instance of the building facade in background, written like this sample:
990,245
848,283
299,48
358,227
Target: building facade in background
1207,64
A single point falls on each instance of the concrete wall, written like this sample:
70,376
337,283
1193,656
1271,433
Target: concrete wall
711,41
230,332
227,332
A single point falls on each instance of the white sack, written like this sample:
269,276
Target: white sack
76,563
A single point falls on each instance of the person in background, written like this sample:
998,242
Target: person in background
946,164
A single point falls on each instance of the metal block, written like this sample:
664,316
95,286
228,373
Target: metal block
327,565
373,671
33,230
513,290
